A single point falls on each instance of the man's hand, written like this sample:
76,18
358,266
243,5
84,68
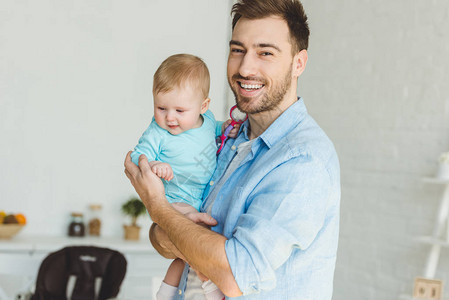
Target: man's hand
147,184
163,170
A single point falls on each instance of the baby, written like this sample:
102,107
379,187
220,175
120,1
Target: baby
180,145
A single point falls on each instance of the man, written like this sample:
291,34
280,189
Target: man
275,193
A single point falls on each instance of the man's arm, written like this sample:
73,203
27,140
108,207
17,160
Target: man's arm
202,248
162,243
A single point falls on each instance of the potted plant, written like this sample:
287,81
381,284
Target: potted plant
133,208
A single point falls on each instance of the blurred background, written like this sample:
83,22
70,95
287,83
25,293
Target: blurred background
75,96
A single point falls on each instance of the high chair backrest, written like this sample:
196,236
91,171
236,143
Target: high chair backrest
80,273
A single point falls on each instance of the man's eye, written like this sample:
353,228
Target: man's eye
266,53
237,50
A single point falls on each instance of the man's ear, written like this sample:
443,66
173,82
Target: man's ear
205,105
299,63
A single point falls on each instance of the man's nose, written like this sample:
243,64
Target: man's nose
248,65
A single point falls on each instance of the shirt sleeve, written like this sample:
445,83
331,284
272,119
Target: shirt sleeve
283,213
218,131
208,114
149,144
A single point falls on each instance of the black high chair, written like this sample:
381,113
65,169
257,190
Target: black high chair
80,273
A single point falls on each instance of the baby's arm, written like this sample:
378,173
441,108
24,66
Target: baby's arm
149,144
163,170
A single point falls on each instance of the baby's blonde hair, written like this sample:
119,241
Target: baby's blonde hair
180,69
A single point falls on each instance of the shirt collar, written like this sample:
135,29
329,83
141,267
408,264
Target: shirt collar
288,120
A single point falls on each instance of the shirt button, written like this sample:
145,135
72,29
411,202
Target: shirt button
180,292
233,147
211,183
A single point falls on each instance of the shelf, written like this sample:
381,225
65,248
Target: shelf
432,241
45,244
435,180
408,297
439,237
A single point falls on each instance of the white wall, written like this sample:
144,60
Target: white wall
75,96
377,82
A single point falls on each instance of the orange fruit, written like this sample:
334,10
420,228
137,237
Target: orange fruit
21,218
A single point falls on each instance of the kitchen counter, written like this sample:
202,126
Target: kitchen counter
38,244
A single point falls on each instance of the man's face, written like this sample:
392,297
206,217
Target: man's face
260,63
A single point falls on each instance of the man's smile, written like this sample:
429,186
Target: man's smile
250,87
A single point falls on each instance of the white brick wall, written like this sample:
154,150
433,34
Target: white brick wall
377,81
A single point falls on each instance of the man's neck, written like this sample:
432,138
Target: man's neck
259,122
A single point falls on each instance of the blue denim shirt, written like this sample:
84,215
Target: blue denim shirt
279,210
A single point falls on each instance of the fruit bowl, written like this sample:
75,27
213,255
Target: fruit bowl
7,231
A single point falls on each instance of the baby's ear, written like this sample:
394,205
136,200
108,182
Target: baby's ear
205,105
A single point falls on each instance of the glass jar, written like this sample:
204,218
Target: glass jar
95,221
76,227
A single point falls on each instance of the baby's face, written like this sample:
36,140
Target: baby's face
179,110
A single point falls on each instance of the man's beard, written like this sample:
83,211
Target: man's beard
269,101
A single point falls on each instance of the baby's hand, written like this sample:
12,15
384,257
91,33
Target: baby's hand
163,170
234,131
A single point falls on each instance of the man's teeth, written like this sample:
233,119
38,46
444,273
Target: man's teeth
251,86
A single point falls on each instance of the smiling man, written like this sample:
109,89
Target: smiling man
275,194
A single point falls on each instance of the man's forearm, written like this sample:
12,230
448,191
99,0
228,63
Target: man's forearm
162,243
202,248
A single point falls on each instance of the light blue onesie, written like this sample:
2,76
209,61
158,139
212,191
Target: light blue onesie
191,155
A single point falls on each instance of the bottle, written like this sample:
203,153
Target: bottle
76,227
95,221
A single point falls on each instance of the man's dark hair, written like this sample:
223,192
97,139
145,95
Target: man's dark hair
291,11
